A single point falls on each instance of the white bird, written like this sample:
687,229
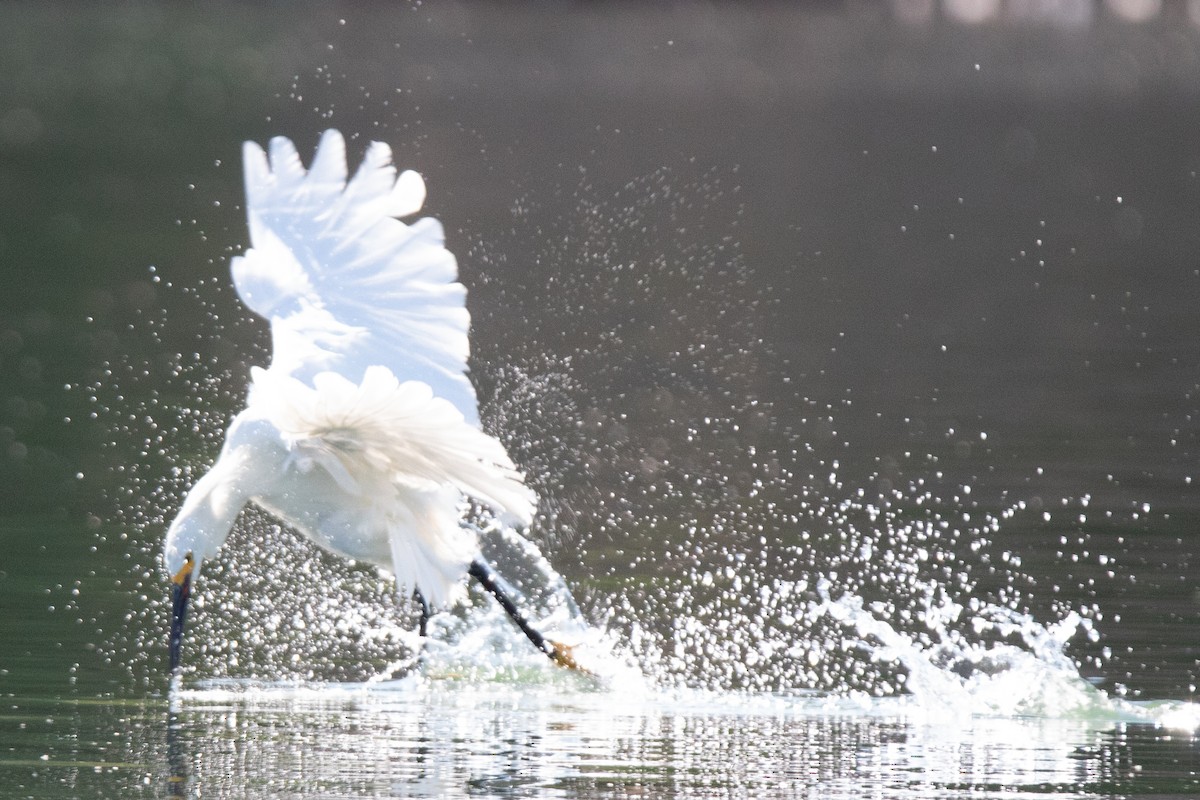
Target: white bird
363,433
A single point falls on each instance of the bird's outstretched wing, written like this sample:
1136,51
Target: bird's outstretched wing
344,284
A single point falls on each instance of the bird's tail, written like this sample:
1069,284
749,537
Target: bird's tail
431,551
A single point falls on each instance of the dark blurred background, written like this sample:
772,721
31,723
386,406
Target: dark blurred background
728,263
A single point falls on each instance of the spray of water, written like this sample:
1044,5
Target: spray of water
708,538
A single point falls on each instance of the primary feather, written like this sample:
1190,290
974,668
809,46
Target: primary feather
363,433
344,284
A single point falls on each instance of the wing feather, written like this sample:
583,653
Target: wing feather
344,284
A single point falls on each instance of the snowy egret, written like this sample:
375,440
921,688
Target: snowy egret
363,433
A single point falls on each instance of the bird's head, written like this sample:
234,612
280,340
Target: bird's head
199,530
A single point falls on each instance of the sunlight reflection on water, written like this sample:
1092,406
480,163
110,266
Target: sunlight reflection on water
427,738
561,736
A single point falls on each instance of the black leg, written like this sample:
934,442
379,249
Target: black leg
558,653
425,613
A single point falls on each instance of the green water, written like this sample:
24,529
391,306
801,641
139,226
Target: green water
760,296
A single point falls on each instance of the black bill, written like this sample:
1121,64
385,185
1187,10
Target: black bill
181,592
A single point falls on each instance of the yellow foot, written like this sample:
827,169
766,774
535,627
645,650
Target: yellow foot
564,656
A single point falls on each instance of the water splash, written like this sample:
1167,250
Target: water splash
1024,673
715,532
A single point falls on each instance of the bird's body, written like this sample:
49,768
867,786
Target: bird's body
373,472
363,433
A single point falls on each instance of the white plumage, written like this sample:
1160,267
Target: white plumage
363,433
